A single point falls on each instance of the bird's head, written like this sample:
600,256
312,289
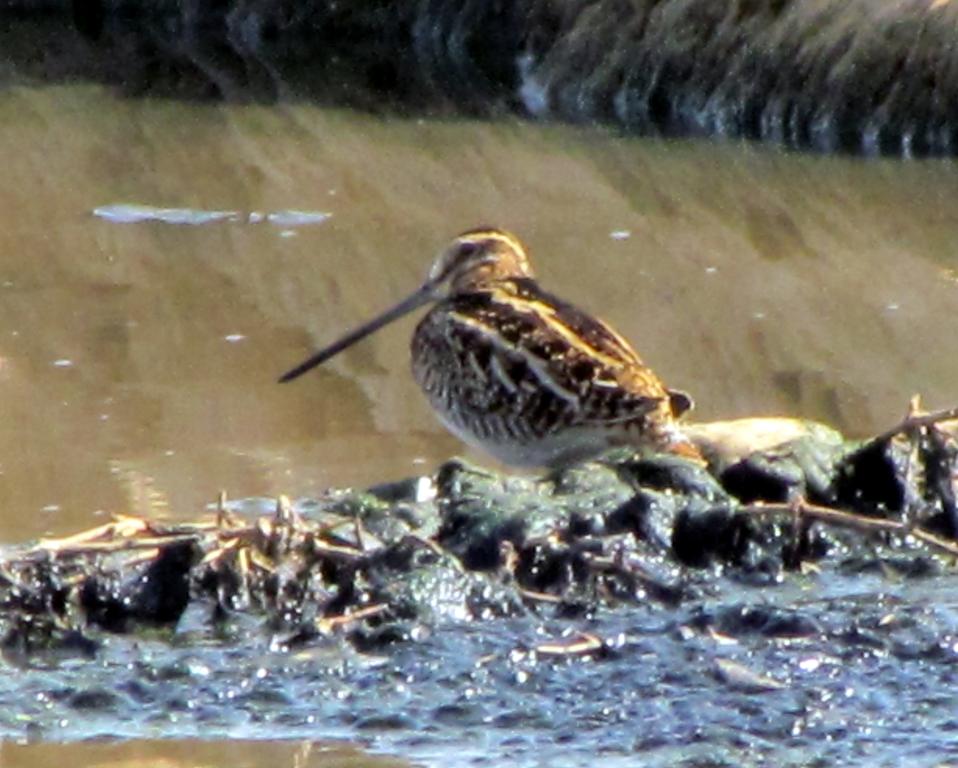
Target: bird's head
479,257
476,258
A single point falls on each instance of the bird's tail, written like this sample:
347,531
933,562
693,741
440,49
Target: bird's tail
676,442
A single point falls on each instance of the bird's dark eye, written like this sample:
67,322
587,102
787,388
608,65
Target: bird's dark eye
468,249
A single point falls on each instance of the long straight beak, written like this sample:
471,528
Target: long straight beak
423,295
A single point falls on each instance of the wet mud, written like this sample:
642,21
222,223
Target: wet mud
527,578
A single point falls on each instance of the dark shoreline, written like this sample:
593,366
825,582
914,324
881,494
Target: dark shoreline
856,77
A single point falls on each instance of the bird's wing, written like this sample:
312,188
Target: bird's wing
577,357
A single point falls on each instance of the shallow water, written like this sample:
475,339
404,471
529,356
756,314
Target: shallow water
816,671
138,359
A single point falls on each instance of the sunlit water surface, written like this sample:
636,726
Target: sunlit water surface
817,671
138,358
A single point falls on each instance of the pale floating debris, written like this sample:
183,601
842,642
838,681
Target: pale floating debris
620,234
252,506
62,363
425,489
132,213
135,213
288,233
892,307
232,338
294,218
51,508
533,92
740,677
198,669
711,270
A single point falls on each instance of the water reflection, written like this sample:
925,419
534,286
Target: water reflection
761,282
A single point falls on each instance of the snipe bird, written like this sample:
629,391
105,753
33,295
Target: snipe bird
518,372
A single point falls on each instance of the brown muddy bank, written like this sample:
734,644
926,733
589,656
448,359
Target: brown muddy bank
191,753
860,76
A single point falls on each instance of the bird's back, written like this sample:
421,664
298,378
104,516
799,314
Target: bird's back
511,368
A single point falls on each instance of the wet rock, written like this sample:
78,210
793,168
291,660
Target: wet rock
671,474
908,475
428,585
481,511
941,482
706,534
665,488
648,515
879,560
31,638
872,478
768,621
804,468
359,513
378,637
771,459
93,699
156,596
625,529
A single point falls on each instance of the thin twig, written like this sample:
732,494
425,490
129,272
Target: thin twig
539,597
913,422
935,541
360,537
124,527
329,623
333,551
582,643
852,520
113,545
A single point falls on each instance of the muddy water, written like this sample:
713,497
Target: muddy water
192,754
138,360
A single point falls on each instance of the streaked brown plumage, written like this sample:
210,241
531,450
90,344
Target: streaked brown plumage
520,373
